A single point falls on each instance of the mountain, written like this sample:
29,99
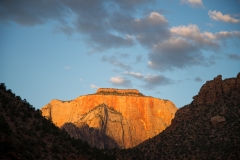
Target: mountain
112,118
25,134
207,128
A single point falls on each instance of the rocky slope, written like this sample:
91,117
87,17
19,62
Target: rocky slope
208,128
119,118
25,134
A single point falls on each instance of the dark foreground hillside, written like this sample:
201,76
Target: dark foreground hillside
208,128
25,134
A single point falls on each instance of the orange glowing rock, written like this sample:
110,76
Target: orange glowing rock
128,117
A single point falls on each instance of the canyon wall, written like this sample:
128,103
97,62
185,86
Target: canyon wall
126,119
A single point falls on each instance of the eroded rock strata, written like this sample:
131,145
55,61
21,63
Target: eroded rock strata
112,118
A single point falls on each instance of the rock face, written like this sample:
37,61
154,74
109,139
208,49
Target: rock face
215,88
101,119
112,118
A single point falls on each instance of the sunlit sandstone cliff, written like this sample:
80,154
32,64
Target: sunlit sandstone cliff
125,116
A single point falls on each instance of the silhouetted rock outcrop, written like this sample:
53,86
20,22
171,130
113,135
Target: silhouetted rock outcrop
25,134
208,128
214,89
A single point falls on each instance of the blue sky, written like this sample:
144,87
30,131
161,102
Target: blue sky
61,49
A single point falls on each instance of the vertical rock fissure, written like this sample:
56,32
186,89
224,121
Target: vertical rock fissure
130,135
122,133
105,118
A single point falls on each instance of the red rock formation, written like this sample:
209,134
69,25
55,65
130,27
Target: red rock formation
135,118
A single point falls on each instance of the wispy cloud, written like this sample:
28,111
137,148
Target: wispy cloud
120,81
223,35
138,58
218,16
67,67
153,81
81,79
198,79
93,86
124,55
209,24
116,62
134,74
234,56
150,81
193,3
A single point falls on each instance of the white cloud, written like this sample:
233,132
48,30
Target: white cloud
134,74
192,32
184,47
209,35
218,16
94,86
120,81
185,30
155,17
193,3
116,80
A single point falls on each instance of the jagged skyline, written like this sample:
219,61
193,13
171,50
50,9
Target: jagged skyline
166,49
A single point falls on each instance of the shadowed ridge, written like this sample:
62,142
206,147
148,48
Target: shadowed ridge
25,134
208,128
